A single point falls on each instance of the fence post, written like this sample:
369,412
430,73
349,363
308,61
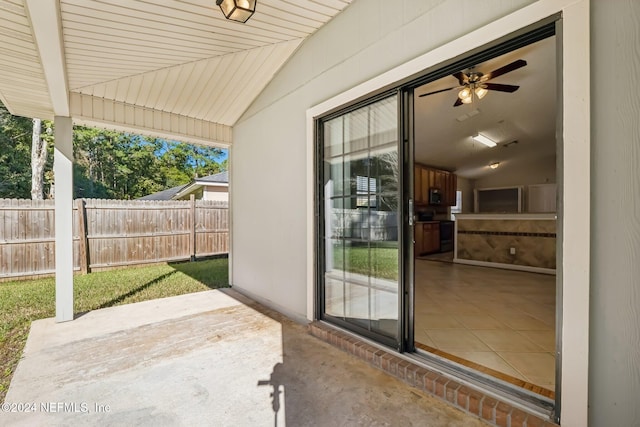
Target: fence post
82,231
192,207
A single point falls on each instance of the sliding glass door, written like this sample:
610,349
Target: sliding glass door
360,220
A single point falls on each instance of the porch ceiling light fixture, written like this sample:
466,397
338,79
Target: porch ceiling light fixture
237,10
484,140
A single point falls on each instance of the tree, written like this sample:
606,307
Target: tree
107,164
39,154
120,165
14,155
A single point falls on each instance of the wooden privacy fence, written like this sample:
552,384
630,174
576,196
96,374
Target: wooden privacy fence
110,233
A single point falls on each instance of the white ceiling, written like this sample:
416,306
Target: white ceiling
179,60
527,116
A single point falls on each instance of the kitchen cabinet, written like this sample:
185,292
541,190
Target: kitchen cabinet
439,178
449,189
422,184
426,178
419,190
432,237
427,237
418,233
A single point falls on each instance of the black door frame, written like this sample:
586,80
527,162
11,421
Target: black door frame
398,343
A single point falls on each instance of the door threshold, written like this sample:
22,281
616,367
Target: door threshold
488,371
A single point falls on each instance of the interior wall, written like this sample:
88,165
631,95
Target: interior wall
614,353
541,172
269,204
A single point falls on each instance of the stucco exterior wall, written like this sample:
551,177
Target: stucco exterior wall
269,153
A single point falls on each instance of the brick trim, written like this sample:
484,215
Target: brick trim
466,398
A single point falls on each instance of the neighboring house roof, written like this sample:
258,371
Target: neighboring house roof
164,194
222,177
215,180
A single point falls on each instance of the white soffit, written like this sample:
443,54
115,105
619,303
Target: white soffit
23,87
178,57
217,89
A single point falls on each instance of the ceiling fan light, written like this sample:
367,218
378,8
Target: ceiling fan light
484,140
481,92
465,95
237,10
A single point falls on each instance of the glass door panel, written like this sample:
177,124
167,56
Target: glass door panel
361,220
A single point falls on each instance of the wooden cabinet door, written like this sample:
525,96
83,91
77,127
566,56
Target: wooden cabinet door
426,238
446,188
435,237
430,238
440,180
453,178
418,248
452,184
424,176
431,178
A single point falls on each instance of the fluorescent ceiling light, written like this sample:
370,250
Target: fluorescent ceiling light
484,140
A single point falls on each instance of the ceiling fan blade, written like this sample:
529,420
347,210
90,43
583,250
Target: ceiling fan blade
458,102
504,70
462,77
438,91
500,87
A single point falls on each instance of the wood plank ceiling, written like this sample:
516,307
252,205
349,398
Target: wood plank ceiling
179,59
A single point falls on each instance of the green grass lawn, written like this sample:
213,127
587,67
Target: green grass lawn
22,302
378,261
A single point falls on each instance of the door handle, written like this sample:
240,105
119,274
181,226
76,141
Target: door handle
410,212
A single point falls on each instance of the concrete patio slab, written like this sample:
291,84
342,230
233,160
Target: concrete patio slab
210,358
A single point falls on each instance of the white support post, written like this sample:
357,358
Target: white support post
63,175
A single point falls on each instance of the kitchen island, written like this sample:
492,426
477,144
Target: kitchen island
513,241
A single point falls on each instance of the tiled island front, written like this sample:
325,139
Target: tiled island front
515,241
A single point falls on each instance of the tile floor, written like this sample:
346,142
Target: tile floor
501,319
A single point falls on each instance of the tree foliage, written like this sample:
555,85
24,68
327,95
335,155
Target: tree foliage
15,155
107,164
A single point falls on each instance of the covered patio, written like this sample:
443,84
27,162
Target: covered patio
209,358
177,70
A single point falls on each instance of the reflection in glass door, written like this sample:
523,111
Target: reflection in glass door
360,220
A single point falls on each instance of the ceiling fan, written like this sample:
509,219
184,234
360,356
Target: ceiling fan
474,83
